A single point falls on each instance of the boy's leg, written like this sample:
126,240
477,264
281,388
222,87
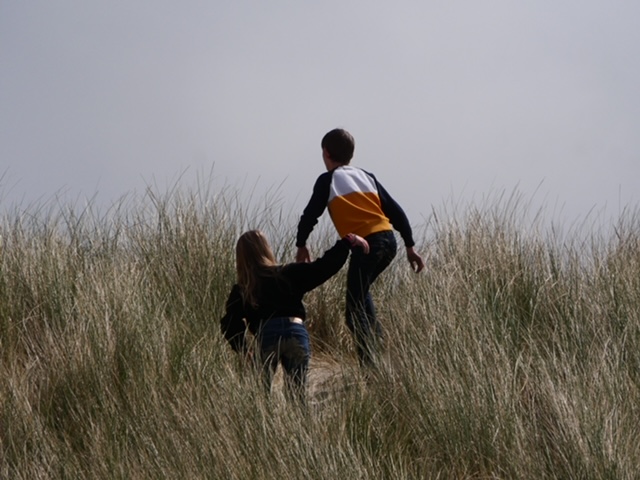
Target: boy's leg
363,270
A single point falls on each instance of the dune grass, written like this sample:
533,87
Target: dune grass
514,355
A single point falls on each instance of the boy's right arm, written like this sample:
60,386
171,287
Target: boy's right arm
415,260
400,222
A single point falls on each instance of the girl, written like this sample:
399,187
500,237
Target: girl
267,299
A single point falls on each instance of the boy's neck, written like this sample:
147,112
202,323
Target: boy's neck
328,162
331,165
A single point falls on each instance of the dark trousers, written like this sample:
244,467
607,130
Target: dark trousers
360,310
284,342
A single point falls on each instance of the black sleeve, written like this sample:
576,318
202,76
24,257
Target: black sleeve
232,323
307,276
314,208
396,215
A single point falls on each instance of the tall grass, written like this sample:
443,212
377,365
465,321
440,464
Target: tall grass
514,355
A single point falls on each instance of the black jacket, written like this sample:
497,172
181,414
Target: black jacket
280,294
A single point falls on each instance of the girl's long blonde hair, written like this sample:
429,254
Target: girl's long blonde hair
254,259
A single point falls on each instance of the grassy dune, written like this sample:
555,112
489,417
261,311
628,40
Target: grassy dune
515,355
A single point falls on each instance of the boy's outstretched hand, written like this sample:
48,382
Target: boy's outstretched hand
415,260
302,255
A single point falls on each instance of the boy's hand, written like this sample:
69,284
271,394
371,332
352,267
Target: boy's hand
302,256
415,260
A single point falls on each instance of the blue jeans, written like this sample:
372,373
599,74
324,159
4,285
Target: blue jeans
360,312
282,341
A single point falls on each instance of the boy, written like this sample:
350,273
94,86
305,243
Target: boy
357,204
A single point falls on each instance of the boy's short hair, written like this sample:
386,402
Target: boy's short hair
340,145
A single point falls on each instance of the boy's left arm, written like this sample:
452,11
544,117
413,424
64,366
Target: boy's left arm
309,219
303,255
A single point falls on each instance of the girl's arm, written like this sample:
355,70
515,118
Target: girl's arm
307,276
232,323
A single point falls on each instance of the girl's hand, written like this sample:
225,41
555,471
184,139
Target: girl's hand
357,241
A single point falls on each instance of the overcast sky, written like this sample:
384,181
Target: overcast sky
448,100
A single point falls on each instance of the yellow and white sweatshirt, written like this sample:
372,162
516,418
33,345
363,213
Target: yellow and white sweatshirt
357,204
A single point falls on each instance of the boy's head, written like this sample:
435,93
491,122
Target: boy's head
338,145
